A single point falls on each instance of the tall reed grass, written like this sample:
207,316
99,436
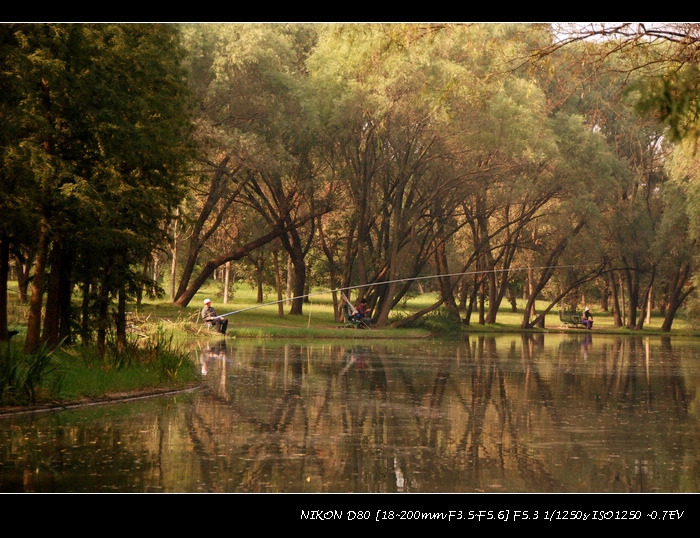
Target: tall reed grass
23,374
71,372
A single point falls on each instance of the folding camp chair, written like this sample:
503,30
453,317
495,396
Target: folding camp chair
351,320
348,320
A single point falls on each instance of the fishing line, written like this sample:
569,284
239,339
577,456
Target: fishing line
342,290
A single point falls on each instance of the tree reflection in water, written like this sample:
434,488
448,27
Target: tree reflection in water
507,413
489,414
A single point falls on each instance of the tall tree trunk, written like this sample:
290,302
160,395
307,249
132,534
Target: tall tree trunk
621,298
4,273
292,242
36,297
632,278
387,292
227,280
298,284
385,303
259,268
85,332
446,287
120,321
530,308
278,284
103,314
50,330
645,301
482,300
289,280
614,298
33,339
605,296
331,268
472,299
502,282
22,267
173,255
56,326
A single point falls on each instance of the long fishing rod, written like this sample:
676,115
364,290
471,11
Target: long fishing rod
342,290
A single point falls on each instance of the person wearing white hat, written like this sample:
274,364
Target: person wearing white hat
587,318
212,318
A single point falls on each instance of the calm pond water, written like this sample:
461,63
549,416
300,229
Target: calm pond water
579,413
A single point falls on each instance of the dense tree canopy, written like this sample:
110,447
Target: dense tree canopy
487,160
92,160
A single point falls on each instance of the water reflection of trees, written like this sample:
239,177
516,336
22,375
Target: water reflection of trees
92,449
488,414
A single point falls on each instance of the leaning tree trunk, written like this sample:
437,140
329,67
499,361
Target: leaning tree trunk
235,254
546,275
677,295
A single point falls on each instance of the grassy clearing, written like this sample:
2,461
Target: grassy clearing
252,320
263,321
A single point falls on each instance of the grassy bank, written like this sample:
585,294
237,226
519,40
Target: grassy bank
157,357
75,373
249,319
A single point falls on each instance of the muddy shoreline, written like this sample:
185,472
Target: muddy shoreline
45,407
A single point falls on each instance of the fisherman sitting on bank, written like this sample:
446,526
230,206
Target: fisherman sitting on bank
362,313
587,320
212,318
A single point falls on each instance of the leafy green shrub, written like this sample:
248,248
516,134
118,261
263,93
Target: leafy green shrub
439,322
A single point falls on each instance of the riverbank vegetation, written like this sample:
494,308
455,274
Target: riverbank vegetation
457,176
67,374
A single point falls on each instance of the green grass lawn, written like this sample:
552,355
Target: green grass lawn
247,318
